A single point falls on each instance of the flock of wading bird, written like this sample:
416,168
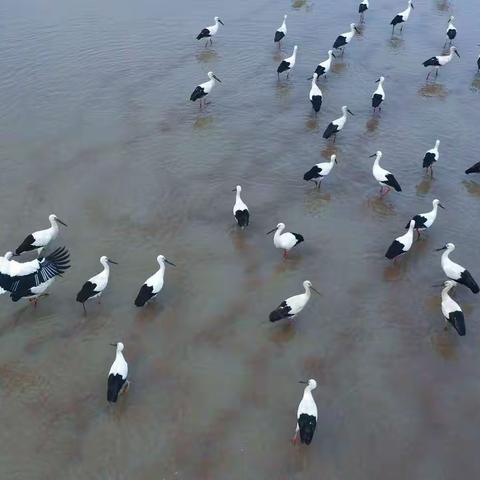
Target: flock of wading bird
30,280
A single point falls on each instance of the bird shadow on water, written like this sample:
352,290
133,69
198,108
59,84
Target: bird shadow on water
207,56
395,42
283,333
284,87
372,123
329,150
395,270
311,123
299,4
203,121
442,5
339,66
443,342
381,206
425,185
472,187
433,90
476,83
315,199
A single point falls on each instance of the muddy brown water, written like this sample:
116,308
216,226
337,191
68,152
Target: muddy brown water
96,126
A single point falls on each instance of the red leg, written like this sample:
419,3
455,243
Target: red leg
285,254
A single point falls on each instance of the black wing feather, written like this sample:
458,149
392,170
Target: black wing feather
205,33
320,70
474,169
431,62
339,42
391,181
144,295
419,222
316,102
313,173
282,311
278,36
199,92
242,217
377,99
284,66
467,280
396,19
457,320
26,245
394,250
428,159
87,291
330,130
306,425
114,386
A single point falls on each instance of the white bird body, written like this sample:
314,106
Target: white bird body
383,176
307,415
401,244
337,125
285,240
426,220
444,59
345,38
364,5
17,269
287,64
210,31
240,209
117,375
451,29
440,61
320,170
315,94
379,94
292,306
324,67
282,30
101,280
451,310
405,14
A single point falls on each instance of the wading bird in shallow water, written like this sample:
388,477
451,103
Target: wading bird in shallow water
324,67
154,284
440,61
456,272
320,170
378,95
240,209
345,38
384,177
117,376
362,8
95,286
210,32
425,220
285,241
292,306
202,90
451,310
30,280
402,17
281,31
401,244
337,125
287,64
431,157
306,415
315,94
40,239
451,31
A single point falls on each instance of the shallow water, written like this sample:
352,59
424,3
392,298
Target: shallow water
96,126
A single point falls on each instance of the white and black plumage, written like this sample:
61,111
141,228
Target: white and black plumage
287,64
384,177
240,209
324,67
286,241
401,244
307,415
337,125
31,279
202,90
40,239
315,94
440,61
117,376
402,17
154,284
378,95
431,156
478,64
456,272
425,220
451,30
95,286
473,169
345,38
451,310
362,8
292,306
281,31
320,170
210,32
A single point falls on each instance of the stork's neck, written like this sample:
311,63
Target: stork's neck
446,253
106,266
308,294
446,290
279,232
238,197
377,160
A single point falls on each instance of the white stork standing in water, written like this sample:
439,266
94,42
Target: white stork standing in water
117,376
402,17
94,287
440,61
451,31
423,221
324,67
292,306
337,125
306,415
30,280
287,64
456,272
281,31
202,90
210,32
40,239
362,8
451,310
345,38
378,95
240,209
401,244
315,94
384,177
285,241
431,157
319,171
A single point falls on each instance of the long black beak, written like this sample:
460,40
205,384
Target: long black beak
336,160
333,55
170,263
234,190
350,112
272,230
216,78
63,223
371,156
112,261
315,290
221,22
303,381
458,55
412,5
310,78
440,249
376,81
113,344
356,29
441,206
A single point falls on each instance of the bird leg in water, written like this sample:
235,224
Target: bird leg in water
418,233
285,254
334,137
84,308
